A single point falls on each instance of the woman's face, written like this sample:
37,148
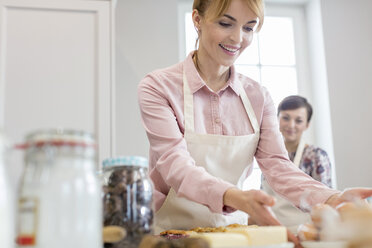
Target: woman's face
293,123
222,40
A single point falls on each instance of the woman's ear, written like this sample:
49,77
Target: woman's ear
196,18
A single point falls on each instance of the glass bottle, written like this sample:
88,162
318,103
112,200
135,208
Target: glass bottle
127,199
60,195
6,203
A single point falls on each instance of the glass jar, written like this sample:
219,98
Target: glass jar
6,203
60,195
127,199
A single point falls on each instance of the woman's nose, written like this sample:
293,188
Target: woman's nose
237,35
292,123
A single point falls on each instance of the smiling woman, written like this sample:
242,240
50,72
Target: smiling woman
224,37
271,61
294,114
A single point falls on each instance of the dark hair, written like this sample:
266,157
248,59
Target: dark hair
295,102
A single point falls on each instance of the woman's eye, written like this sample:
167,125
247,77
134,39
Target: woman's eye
248,29
286,118
224,24
299,121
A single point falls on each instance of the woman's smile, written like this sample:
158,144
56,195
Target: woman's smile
230,50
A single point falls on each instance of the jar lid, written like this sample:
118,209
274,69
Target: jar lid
126,161
58,137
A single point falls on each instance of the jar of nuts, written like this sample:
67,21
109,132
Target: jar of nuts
127,199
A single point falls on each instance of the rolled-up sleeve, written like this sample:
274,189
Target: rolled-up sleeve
281,174
172,164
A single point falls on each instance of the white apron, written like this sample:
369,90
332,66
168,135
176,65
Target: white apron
289,215
227,157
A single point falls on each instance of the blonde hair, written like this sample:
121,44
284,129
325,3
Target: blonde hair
212,9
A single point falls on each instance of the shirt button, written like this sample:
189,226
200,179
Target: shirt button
215,98
217,120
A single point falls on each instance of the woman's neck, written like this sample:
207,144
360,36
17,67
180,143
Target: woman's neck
291,146
215,76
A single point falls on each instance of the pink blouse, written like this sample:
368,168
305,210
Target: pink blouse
160,96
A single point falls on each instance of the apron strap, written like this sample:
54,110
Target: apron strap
299,152
249,109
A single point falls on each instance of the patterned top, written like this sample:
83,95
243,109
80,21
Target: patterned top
315,162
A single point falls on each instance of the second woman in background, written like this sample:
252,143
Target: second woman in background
294,114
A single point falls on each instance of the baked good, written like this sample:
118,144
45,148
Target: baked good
209,229
233,235
351,211
308,232
354,225
323,214
235,225
219,229
176,234
113,234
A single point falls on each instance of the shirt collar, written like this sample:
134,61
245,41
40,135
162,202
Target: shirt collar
196,82
234,82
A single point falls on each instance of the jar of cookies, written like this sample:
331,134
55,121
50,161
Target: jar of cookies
127,199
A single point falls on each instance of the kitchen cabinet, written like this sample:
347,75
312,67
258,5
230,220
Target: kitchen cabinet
57,68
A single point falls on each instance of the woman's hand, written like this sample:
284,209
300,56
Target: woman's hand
258,205
349,195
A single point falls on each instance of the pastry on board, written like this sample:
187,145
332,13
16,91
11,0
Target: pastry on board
232,235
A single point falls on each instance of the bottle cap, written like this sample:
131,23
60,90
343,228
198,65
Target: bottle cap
126,161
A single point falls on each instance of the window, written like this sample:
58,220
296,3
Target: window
272,59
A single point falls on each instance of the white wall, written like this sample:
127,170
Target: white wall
347,27
321,121
147,39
